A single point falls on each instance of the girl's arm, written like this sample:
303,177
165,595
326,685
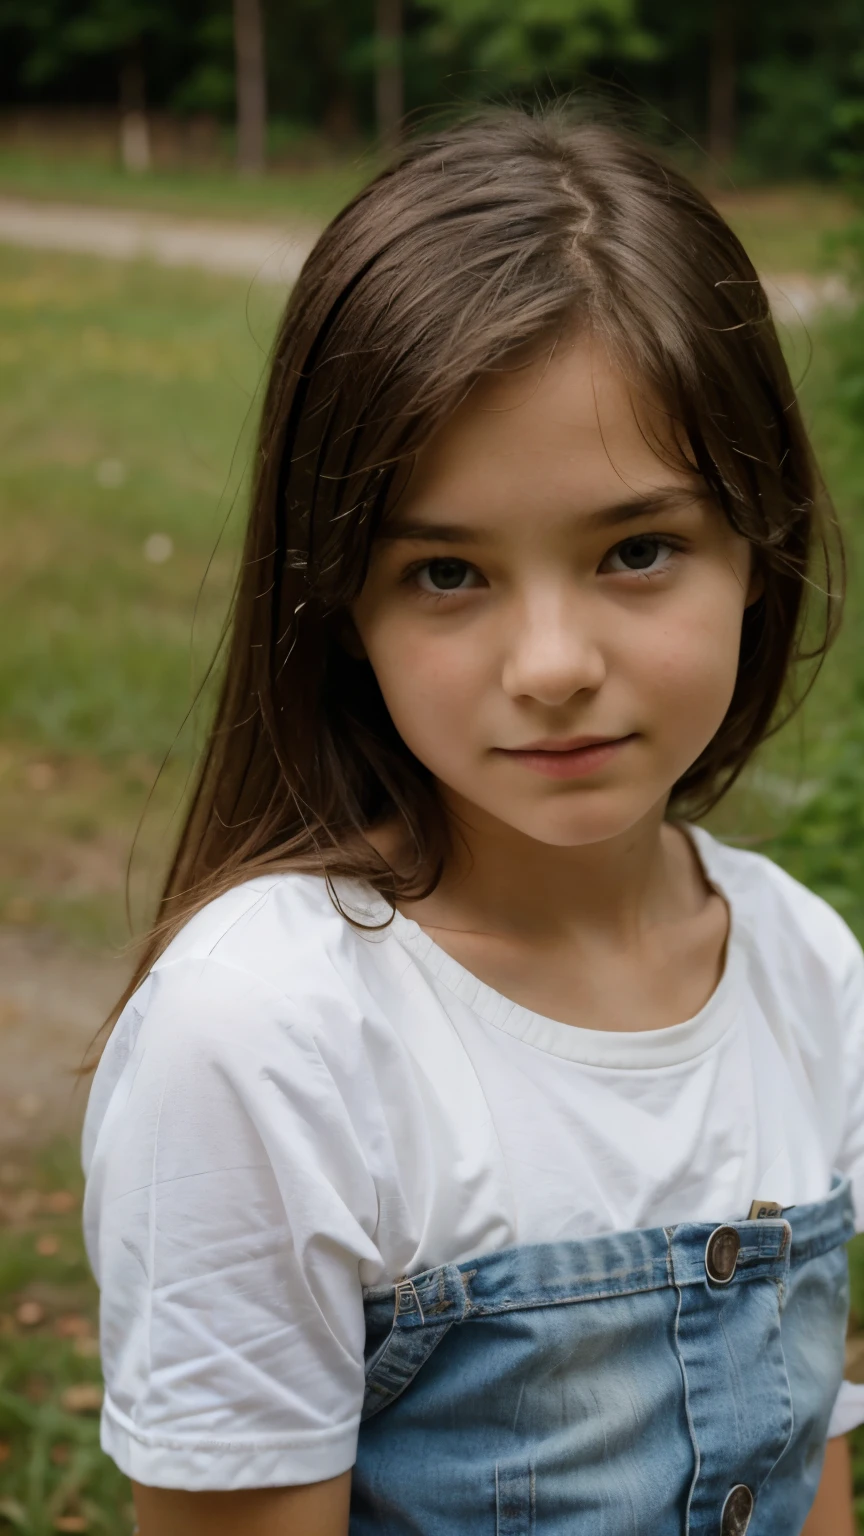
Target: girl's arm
832,1513
316,1509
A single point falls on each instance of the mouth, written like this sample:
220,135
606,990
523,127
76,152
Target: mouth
575,758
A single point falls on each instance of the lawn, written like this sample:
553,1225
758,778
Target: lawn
128,405
309,195
128,399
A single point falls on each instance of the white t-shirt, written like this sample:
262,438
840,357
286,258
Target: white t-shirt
290,1109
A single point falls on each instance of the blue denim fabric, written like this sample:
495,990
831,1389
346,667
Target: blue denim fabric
607,1387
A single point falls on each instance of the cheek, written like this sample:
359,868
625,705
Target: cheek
433,690
693,667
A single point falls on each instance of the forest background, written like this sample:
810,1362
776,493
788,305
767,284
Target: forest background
773,91
164,164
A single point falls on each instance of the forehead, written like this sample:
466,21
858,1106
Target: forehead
565,428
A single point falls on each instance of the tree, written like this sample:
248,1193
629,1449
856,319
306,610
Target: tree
251,87
722,84
120,28
524,42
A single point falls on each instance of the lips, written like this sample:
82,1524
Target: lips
570,744
575,758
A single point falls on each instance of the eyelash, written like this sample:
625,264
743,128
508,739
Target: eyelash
663,541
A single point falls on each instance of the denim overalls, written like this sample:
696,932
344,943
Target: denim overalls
648,1383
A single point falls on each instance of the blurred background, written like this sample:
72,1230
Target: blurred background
164,166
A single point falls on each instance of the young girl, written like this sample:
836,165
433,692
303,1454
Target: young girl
478,1145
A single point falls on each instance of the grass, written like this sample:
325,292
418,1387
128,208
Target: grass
129,395
53,1476
784,228
127,405
311,195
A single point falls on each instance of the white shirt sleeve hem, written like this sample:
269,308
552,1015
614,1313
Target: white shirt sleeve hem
223,1465
848,1410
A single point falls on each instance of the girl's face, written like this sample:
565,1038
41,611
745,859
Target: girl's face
553,613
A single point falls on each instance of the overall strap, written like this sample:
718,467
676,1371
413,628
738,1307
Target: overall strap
424,1309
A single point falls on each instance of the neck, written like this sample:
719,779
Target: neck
499,880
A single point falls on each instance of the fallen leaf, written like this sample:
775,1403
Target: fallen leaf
60,1202
71,1523
48,1246
72,1325
87,1348
29,1314
5,1450
60,1455
39,775
85,1398
24,1205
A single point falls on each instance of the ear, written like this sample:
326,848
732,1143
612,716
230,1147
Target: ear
350,640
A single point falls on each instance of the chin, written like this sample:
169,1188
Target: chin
596,823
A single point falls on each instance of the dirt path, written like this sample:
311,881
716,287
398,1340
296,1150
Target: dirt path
270,253
52,1001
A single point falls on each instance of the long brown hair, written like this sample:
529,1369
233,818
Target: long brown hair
478,241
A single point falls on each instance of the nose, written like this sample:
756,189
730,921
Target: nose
553,650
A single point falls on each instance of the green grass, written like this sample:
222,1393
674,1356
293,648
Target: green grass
312,194
128,404
53,1476
784,228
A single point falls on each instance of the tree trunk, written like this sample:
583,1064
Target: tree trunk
389,90
722,84
134,127
251,87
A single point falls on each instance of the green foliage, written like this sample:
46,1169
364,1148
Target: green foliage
791,127
798,68
530,40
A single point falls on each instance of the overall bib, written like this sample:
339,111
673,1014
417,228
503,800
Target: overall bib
676,1381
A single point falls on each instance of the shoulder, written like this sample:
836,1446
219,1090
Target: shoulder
267,925
268,983
778,919
279,949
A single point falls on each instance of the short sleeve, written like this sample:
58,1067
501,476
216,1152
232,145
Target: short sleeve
227,1213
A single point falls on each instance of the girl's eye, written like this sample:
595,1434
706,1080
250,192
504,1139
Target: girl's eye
445,575
642,553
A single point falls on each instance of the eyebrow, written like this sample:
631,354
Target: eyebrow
615,515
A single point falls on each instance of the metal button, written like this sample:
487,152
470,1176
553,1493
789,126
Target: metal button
721,1255
737,1511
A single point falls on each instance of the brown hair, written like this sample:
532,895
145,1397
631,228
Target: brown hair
479,240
